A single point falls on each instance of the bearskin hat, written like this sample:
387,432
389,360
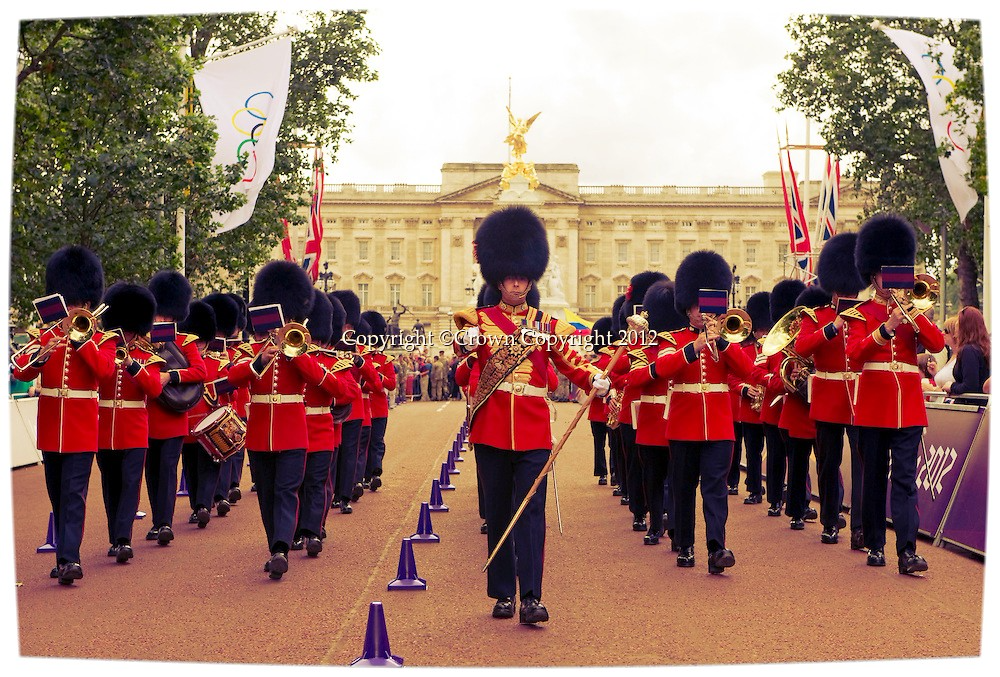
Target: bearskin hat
320,318
813,296
661,313
352,305
77,274
173,294
703,269
636,292
338,318
616,320
836,270
884,240
200,321
511,242
241,322
287,284
759,310
227,313
600,334
376,323
131,307
783,297
363,328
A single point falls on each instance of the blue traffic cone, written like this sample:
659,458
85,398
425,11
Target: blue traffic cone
425,531
376,653
406,573
445,480
182,490
436,502
50,538
452,470
456,451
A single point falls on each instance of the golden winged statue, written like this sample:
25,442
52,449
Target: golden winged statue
518,128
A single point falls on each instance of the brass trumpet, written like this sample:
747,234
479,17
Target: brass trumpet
293,338
121,353
921,298
736,325
83,323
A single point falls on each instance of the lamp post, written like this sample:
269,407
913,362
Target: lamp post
326,275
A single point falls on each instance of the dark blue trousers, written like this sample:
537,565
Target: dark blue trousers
376,447
829,456
659,495
506,477
202,474
636,495
67,477
161,478
733,478
313,496
614,454
857,477
362,462
751,435
775,463
347,459
709,462
798,450
278,475
878,445
121,477
599,430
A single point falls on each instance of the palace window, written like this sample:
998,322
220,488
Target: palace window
621,288
331,250
655,253
363,293
686,248
426,251
590,252
394,294
622,249
427,294
687,224
749,290
590,296
363,247
750,253
395,250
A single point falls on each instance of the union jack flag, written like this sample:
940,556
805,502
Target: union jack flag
798,232
829,199
314,245
286,243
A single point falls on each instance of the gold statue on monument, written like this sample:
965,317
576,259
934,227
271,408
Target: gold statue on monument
515,139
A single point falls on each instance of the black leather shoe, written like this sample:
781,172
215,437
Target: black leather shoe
152,534
234,495
314,546
774,510
796,524
753,499
54,573
617,491
639,524
602,480
504,608
203,517
345,507
651,538
165,535
69,572
685,557
483,529
829,535
193,517
734,491
841,522
113,551
876,558
910,563
277,565
624,500
533,611
375,483
811,514
358,492
322,533
223,507
857,539
124,553
366,484
719,560
253,487
297,544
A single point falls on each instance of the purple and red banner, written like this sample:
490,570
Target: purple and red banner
713,301
897,277
265,318
163,332
51,308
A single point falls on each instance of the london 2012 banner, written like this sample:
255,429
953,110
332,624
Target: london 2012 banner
246,95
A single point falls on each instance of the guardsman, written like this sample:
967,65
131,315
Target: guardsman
700,415
781,300
510,425
201,470
601,340
167,426
823,339
652,406
239,399
747,402
379,401
123,428
71,366
277,437
889,407
613,406
314,497
227,317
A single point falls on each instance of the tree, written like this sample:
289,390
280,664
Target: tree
872,109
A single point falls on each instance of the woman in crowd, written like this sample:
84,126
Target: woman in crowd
972,355
944,374
927,364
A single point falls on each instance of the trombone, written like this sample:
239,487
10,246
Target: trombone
82,325
734,326
921,298
293,340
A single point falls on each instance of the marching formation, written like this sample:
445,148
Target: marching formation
147,380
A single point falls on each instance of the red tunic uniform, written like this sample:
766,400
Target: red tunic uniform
653,394
123,420
277,419
165,423
889,393
366,376
516,415
743,411
387,380
67,402
323,435
833,383
239,399
774,390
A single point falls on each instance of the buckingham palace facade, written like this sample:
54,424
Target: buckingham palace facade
411,245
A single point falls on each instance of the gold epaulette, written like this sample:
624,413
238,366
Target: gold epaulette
811,313
341,364
186,339
154,359
608,350
105,337
466,318
853,314
222,358
246,349
389,359
667,336
563,328
638,357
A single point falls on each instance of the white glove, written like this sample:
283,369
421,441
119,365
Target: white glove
468,338
601,386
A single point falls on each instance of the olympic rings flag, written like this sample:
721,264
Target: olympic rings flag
246,95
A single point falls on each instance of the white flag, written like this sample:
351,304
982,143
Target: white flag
246,95
934,61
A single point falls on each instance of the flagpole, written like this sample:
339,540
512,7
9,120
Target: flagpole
250,45
805,187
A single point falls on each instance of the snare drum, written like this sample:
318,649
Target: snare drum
222,433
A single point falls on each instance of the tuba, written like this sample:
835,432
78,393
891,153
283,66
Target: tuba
795,370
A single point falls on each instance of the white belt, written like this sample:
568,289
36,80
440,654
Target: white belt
701,387
654,399
276,398
892,366
366,396
314,411
122,404
523,389
836,375
69,393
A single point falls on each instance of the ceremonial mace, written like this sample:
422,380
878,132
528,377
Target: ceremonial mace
552,457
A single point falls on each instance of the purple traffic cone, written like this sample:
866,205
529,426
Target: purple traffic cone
406,573
139,514
182,490
376,653
452,470
456,451
437,502
50,537
425,531
445,480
